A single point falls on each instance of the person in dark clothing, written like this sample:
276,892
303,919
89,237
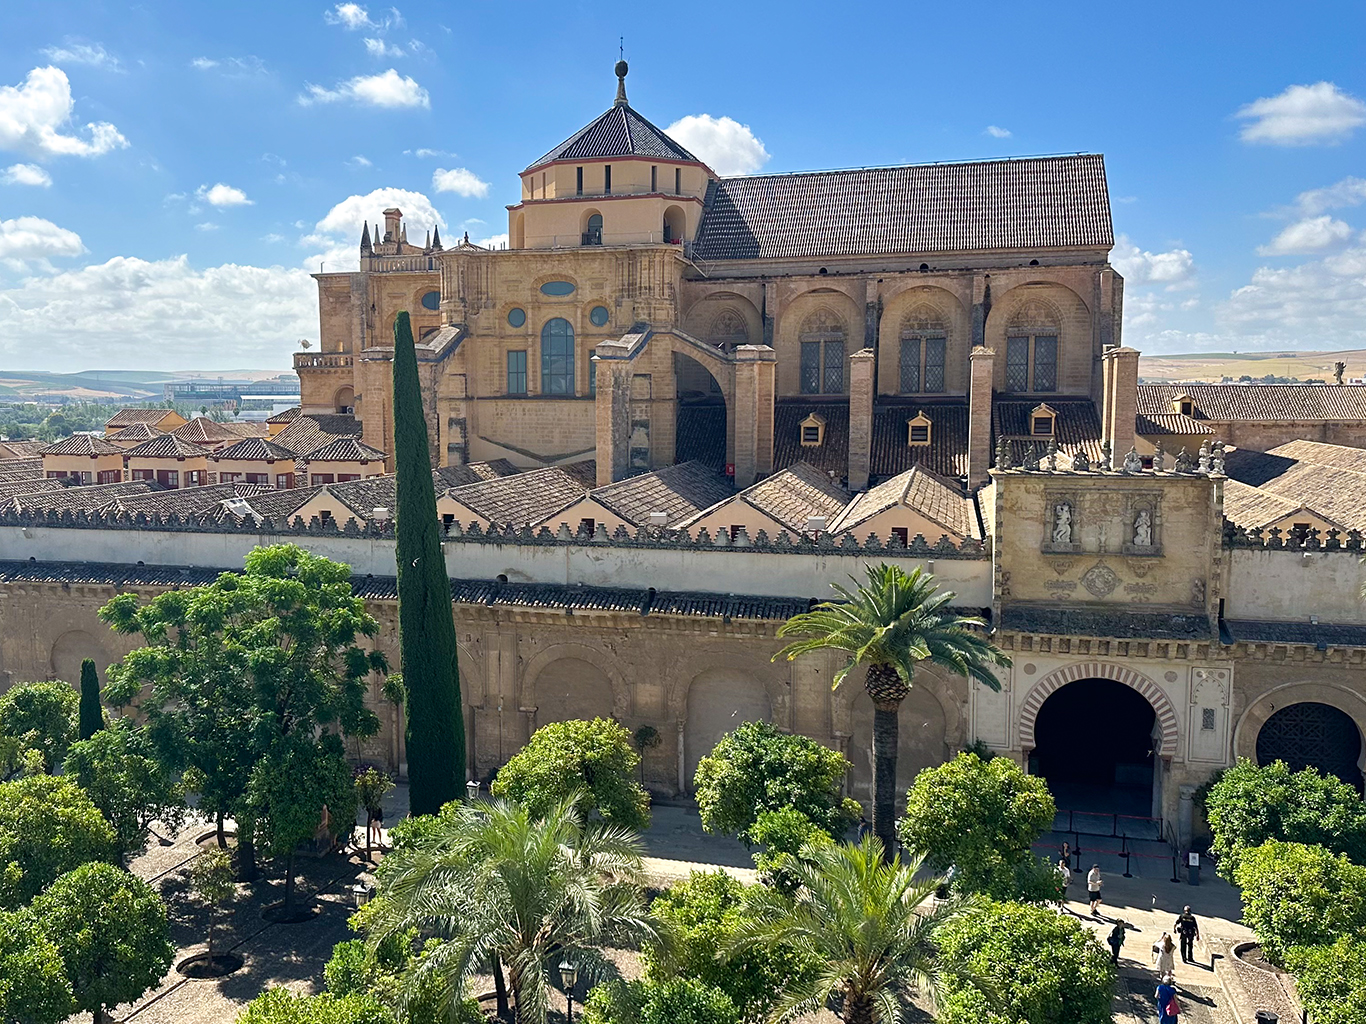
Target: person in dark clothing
1116,940
1189,930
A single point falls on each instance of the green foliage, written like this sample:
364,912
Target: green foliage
1037,881
231,671
48,826
1252,804
120,771
91,713
211,877
529,890
280,1006
858,915
1331,981
371,784
37,716
784,835
979,815
564,758
386,971
676,1001
111,929
756,768
702,916
1042,967
33,985
1298,895
426,624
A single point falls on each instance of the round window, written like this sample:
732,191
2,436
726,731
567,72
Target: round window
516,316
557,288
432,300
599,316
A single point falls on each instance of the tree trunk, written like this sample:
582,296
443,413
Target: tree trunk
222,832
500,990
885,735
246,854
859,1010
288,910
209,951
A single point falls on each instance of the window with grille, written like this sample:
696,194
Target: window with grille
1032,362
517,372
910,366
1045,363
822,354
832,381
1017,364
935,349
557,357
1043,426
811,367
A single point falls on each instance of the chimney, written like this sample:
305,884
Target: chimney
860,418
981,381
1120,401
392,218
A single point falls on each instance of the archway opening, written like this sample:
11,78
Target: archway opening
701,417
1313,735
344,401
720,700
569,689
1093,743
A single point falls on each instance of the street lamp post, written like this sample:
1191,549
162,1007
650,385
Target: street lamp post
472,791
569,975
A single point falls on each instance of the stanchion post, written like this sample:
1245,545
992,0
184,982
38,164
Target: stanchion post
1175,877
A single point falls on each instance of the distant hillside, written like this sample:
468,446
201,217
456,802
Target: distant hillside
109,385
1215,366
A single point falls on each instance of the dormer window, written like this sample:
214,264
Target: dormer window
813,431
918,430
1183,404
1042,421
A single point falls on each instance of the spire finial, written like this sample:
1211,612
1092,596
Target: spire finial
621,70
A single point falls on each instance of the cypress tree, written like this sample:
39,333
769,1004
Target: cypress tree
426,628
91,715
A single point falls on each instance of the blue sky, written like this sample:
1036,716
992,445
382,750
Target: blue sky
170,172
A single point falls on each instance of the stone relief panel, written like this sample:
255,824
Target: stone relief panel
1208,719
1141,524
1063,531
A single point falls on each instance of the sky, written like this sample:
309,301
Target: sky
171,173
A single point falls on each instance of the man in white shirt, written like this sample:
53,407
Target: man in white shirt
1093,884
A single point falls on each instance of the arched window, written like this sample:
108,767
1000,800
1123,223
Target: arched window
1032,349
592,233
728,330
822,358
924,347
557,357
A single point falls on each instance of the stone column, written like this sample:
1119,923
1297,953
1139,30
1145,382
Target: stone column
1120,366
982,362
861,388
754,393
613,409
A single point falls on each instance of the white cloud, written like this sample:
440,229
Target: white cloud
203,63
157,314
25,174
389,89
206,226
336,238
1303,115
222,195
359,161
1318,304
1347,192
379,48
423,154
725,145
1313,234
1175,268
32,238
494,241
33,114
236,67
997,133
350,16
93,54
459,181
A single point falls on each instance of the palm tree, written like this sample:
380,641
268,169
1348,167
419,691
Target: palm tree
890,625
517,894
860,919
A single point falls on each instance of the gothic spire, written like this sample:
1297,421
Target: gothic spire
436,238
365,239
428,246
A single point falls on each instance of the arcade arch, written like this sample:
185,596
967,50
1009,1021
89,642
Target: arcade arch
719,700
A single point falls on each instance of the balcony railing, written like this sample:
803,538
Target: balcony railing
321,360
392,264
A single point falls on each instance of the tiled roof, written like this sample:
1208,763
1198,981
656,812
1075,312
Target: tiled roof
135,433
947,452
620,131
31,485
341,424
19,449
521,500
185,500
1230,402
1317,634
254,449
1246,506
1149,424
1085,622
345,449
793,495
305,433
362,497
1326,478
203,431
281,504
78,499
681,491
82,444
1076,426
458,476
922,492
127,417
700,435
167,446
1041,202
284,415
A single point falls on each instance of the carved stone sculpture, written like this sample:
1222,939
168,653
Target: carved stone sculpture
1143,529
1133,462
1184,462
1062,523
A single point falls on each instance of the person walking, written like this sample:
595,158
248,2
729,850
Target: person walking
1188,928
1093,887
1065,876
1165,996
1116,940
1065,853
1164,955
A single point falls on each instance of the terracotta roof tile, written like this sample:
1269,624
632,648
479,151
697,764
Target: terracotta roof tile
284,415
78,499
344,449
521,500
681,491
1233,402
922,492
167,446
19,449
619,131
458,476
184,500
1040,202
82,444
1328,479
134,433
127,417
10,488
793,495
1076,426
253,449
701,435
1246,506
1157,423
203,431
947,452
